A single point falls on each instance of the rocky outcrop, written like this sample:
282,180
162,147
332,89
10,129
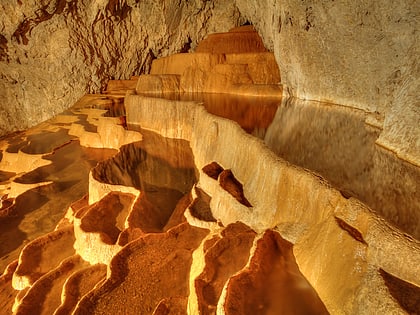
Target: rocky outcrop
52,53
344,52
221,64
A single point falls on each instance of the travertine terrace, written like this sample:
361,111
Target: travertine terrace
180,207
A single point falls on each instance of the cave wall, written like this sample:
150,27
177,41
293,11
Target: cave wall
362,54
54,51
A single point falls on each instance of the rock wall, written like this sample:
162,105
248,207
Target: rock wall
52,52
357,54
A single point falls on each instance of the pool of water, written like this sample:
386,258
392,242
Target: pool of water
338,144
333,141
65,179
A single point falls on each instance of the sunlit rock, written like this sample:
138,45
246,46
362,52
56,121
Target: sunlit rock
271,283
238,66
220,257
21,162
239,40
120,86
301,203
98,226
7,292
77,285
45,293
110,133
158,84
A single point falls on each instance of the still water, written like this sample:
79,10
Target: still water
333,141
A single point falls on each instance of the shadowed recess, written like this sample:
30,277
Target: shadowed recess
272,283
406,294
351,230
11,237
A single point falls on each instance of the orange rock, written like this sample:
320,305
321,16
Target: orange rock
223,258
144,272
120,86
173,306
272,283
44,297
7,292
242,40
79,284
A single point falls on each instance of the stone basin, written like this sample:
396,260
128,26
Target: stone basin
47,169
296,202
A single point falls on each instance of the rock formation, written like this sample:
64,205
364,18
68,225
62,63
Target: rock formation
53,52
343,52
176,210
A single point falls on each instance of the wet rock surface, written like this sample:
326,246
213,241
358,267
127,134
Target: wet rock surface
355,238
339,143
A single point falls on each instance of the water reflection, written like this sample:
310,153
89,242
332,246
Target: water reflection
331,140
4,176
161,168
112,104
253,113
83,120
38,210
337,143
11,237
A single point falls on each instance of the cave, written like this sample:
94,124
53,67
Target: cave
209,157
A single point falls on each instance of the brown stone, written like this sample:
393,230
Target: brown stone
162,263
225,257
272,283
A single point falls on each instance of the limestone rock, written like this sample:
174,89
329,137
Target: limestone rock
270,283
337,143
52,53
45,293
79,284
223,256
161,261
7,292
362,55
297,203
241,39
97,227
236,66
